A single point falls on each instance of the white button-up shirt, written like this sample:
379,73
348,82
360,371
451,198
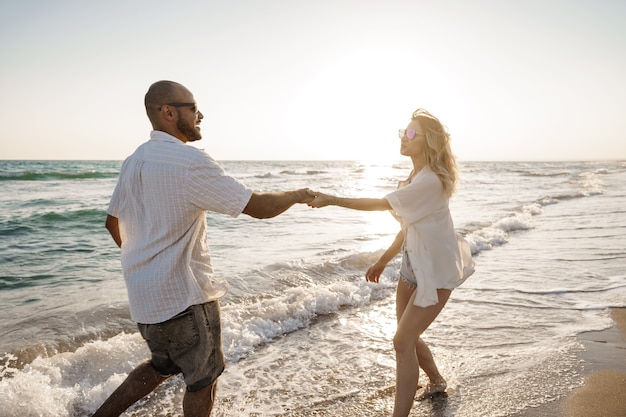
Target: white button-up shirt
164,190
439,257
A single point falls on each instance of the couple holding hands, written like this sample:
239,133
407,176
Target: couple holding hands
157,216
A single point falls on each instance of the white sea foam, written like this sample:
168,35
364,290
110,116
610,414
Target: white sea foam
498,232
591,182
77,382
249,326
71,382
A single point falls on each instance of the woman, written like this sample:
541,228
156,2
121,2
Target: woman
435,260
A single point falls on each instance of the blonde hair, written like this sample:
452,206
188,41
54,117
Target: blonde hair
437,152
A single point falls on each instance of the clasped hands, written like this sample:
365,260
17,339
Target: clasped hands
315,199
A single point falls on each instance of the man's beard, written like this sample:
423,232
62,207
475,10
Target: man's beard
190,131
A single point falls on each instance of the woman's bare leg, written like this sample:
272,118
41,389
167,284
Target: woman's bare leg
427,362
424,356
413,322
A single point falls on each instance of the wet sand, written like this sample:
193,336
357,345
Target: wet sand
603,393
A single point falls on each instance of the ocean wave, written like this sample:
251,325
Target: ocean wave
14,282
266,175
245,326
14,229
308,172
497,233
551,170
561,291
312,290
289,172
540,174
485,237
402,166
253,323
56,385
55,176
51,219
590,182
82,215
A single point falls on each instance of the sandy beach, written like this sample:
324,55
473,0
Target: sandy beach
604,391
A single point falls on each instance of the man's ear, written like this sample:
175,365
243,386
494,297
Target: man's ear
169,113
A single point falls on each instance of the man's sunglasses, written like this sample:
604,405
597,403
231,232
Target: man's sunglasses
194,107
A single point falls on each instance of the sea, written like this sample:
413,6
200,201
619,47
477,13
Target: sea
304,334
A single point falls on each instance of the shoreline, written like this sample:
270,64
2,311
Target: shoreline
604,390
603,393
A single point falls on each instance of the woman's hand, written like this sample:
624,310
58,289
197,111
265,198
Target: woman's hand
375,271
321,200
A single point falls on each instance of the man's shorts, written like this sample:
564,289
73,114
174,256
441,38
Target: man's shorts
191,343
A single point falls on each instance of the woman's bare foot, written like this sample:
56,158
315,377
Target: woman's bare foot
432,389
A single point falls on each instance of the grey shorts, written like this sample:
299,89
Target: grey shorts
191,343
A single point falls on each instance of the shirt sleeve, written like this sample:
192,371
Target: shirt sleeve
115,203
422,197
113,209
210,188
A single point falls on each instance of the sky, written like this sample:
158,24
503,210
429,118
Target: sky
317,80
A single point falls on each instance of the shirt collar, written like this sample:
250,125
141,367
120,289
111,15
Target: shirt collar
159,135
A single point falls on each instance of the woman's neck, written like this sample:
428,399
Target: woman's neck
418,164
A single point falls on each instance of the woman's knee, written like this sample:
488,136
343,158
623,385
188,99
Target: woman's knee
403,344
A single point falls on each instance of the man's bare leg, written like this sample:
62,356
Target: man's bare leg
199,403
140,382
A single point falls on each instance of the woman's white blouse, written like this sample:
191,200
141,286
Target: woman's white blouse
440,257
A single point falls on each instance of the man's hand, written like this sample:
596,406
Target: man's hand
321,200
267,205
305,196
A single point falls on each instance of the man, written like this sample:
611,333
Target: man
157,216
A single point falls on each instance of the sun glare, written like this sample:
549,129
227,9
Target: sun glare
353,106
